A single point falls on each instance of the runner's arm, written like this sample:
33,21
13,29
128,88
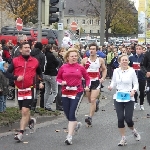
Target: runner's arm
39,73
104,69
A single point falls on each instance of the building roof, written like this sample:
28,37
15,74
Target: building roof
80,7
86,7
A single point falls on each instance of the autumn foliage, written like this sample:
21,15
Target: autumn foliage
25,9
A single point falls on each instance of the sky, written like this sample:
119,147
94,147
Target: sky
136,3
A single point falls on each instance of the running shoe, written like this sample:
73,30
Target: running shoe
136,135
77,128
88,121
19,137
97,105
123,142
135,105
68,140
31,125
141,107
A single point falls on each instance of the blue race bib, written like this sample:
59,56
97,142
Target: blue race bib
123,96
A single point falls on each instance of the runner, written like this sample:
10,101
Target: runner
24,68
135,61
126,83
93,65
69,76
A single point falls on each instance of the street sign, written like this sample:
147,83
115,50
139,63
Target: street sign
19,24
60,26
73,26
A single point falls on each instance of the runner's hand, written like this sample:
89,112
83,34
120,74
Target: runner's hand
63,83
101,80
109,88
132,93
87,89
148,74
20,78
41,86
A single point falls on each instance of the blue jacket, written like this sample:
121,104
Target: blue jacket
136,58
99,54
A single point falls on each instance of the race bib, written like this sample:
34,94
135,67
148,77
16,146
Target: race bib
24,94
123,96
136,66
71,88
70,92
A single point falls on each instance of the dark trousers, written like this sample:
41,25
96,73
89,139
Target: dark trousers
42,91
124,112
142,84
109,70
71,106
58,98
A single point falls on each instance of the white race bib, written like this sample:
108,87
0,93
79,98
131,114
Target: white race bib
71,88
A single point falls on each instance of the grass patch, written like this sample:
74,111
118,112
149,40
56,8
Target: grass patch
12,115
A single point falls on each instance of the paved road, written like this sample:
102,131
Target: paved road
103,135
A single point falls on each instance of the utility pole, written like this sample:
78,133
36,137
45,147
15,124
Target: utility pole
61,22
102,22
39,20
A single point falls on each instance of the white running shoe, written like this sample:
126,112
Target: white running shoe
68,140
77,128
135,105
141,107
19,137
123,142
136,135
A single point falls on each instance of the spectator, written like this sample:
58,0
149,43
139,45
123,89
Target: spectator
4,83
50,74
16,52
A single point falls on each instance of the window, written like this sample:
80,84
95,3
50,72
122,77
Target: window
68,21
76,21
71,11
83,21
91,22
98,22
91,31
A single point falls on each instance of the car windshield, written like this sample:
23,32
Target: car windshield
91,41
126,41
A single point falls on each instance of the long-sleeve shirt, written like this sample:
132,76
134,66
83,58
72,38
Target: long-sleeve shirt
72,74
124,80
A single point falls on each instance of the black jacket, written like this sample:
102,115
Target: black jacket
60,60
4,83
36,52
145,63
51,64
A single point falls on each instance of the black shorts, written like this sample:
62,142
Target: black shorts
95,85
27,103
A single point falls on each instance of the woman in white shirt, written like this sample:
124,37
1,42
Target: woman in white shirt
126,83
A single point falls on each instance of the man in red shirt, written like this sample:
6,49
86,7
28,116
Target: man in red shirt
24,69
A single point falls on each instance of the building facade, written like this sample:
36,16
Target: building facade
83,14
5,20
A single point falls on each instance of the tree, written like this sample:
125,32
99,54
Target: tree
119,15
25,9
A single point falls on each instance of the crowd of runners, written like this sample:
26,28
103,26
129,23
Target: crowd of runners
64,74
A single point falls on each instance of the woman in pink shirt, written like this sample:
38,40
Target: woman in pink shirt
70,77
